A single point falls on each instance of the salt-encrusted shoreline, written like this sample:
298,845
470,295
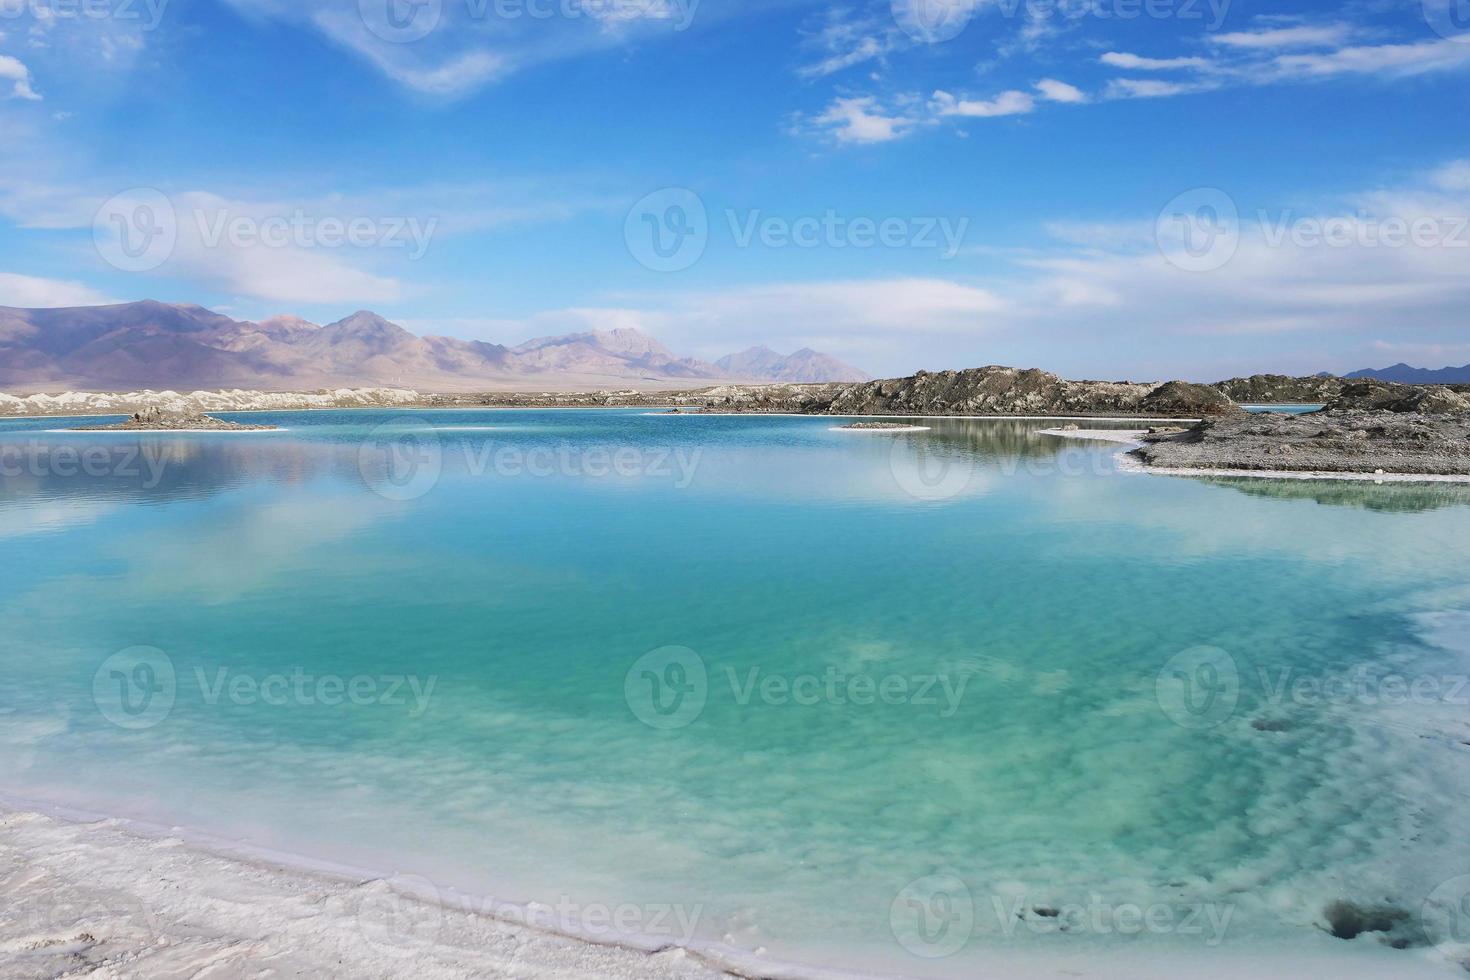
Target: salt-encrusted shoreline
93,897
1132,439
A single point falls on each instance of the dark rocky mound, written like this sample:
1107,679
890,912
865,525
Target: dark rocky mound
1012,391
156,419
1387,397
1369,427
1180,399
1280,389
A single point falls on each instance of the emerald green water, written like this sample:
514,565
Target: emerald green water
854,700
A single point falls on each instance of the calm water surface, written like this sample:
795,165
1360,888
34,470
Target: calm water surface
881,702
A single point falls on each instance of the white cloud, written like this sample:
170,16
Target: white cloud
1121,59
862,120
1453,176
1388,59
1056,91
844,317
1153,88
31,292
1324,36
1012,103
12,70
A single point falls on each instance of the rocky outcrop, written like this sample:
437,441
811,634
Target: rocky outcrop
1388,397
1280,389
1338,440
988,391
158,420
1180,399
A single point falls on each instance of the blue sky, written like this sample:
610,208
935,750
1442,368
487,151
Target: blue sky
1105,188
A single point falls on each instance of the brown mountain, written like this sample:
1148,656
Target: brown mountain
158,345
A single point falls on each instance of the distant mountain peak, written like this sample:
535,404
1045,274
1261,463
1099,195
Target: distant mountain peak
760,363
1407,374
151,344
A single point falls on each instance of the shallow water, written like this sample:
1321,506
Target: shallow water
874,701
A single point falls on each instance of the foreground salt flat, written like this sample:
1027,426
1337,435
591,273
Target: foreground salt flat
91,899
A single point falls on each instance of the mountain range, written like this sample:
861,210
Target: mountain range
1407,374
181,346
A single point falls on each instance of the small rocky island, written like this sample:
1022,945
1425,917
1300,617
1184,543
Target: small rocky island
158,420
1371,427
883,427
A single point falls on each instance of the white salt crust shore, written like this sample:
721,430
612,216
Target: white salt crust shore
1131,439
97,899
84,895
159,432
896,430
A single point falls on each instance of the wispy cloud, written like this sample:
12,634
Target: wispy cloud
1121,59
1382,59
1154,88
450,50
1301,36
845,38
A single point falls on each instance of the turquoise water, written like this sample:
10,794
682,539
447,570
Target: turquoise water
871,701
1283,409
